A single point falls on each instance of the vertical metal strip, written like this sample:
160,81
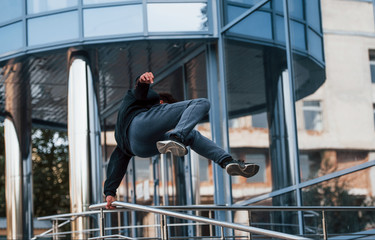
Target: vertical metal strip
290,116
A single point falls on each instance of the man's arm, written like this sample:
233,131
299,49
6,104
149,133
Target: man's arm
116,170
142,85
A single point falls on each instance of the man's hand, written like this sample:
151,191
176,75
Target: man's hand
147,77
110,199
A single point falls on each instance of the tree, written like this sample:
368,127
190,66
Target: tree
50,172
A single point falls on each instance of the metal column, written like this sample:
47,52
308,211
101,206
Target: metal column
84,142
17,129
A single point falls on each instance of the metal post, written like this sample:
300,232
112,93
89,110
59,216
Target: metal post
101,222
249,218
290,113
211,226
222,233
55,227
325,234
163,227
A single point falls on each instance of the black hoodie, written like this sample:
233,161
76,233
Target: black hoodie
135,101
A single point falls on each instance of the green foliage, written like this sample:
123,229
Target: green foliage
335,193
50,172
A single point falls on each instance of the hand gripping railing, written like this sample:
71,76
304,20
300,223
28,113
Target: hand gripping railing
199,219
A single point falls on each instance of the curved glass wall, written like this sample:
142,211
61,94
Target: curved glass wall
92,20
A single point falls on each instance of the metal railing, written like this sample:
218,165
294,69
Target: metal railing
171,211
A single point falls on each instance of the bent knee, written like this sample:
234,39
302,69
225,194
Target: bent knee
204,103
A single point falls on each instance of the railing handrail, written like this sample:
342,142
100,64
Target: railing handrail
221,208
236,226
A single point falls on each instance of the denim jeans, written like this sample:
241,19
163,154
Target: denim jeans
179,118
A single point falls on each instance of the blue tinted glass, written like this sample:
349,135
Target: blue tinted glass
257,24
232,14
106,1
37,6
13,38
315,45
113,20
53,28
296,8
312,14
280,29
179,17
278,5
298,35
10,9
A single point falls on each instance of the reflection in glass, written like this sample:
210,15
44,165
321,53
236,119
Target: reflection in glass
43,30
313,14
257,24
177,17
355,189
37,6
13,39
10,9
172,84
112,20
315,45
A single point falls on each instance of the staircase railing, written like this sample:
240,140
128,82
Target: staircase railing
171,211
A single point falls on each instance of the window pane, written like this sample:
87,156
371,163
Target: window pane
179,17
105,1
295,7
10,9
260,160
13,39
372,67
315,45
280,29
113,20
298,35
260,120
257,24
43,30
312,115
37,6
313,14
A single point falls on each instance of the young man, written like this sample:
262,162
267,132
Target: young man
147,126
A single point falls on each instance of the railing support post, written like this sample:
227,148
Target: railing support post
211,226
325,234
249,218
101,222
55,226
163,227
222,233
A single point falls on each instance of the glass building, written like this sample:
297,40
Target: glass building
282,96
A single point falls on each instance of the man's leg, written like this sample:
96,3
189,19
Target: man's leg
209,149
149,127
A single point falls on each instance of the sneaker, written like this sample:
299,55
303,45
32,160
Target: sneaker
175,147
240,168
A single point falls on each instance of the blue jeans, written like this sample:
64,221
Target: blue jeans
179,118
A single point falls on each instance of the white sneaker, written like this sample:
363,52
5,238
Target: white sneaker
176,148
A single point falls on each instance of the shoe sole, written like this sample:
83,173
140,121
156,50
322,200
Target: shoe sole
250,170
177,149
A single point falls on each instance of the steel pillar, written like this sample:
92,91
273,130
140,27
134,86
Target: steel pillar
84,142
17,130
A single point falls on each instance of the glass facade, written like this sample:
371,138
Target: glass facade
299,107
